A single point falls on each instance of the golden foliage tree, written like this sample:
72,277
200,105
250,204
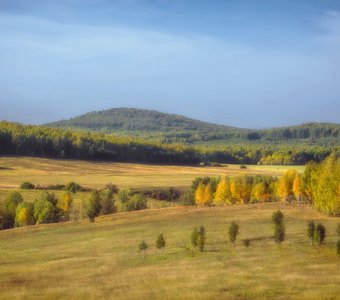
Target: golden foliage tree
240,188
66,202
297,187
222,194
285,185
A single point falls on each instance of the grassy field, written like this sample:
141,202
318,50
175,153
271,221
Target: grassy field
100,260
15,170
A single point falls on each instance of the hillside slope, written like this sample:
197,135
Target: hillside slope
147,123
176,128
101,260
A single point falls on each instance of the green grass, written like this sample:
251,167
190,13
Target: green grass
82,260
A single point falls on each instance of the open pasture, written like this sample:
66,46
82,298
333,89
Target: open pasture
90,261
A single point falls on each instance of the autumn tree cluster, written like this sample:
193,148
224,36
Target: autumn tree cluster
47,208
318,185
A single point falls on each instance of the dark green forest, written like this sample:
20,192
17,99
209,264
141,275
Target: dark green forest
42,141
172,128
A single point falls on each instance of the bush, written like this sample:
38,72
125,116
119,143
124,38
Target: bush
338,248
142,247
92,206
320,234
311,231
198,238
107,204
73,187
6,219
46,210
112,187
11,203
187,198
201,238
136,202
233,232
27,186
160,242
243,167
279,228
56,187
24,214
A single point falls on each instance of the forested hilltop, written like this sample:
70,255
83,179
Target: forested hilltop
18,139
175,128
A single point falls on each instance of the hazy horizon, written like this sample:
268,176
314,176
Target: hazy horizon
250,64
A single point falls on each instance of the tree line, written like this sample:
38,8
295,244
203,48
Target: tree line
18,139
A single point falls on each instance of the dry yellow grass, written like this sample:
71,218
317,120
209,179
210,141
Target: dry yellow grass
15,170
100,260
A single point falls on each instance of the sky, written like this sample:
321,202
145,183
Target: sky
244,63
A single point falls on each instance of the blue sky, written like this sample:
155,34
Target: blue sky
255,63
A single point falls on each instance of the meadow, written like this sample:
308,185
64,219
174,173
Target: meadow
100,260
79,259
15,170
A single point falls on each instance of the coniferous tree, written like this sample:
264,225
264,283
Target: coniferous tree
279,227
160,242
233,232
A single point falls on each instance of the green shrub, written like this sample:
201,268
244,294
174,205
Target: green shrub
198,238
92,206
107,203
136,202
73,187
27,186
243,167
279,227
11,203
201,238
187,198
311,231
24,214
320,234
142,247
160,242
233,232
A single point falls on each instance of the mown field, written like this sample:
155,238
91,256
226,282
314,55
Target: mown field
15,170
100,260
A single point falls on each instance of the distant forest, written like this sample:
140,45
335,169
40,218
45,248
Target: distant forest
18,139
170,128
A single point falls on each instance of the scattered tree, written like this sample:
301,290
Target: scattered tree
142,247
311,231
233,232
160,242
320,234
279,227
93,206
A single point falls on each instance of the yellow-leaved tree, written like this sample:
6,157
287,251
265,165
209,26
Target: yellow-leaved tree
208,194
222,195
240,188
297,187
66,201
259,192
285,185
